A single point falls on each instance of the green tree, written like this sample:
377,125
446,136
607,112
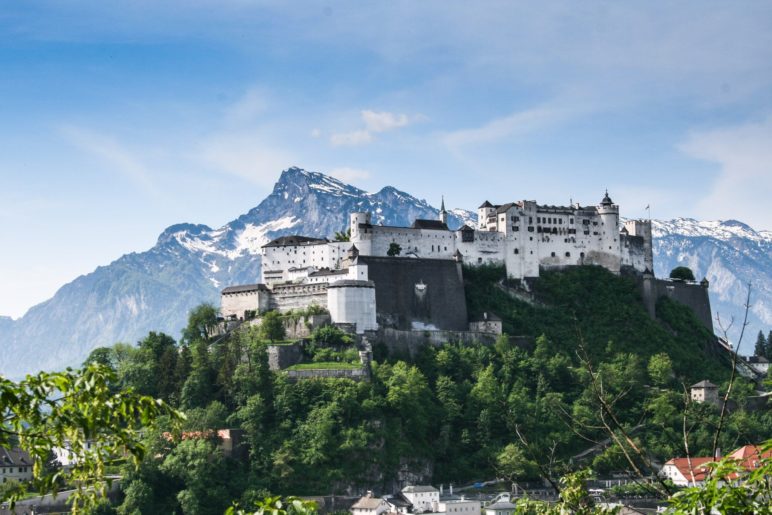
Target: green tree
344,235
513,465
80,411
201,320
394,249
660,369
272,327
760,348
682,272
278,506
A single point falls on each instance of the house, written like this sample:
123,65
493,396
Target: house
705,392
424,498
64,455
15,464
758,363
502,505
686,471
679,471
398,503
369,505
459,507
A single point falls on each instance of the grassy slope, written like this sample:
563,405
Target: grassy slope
607,311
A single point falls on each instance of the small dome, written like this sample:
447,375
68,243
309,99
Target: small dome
606,200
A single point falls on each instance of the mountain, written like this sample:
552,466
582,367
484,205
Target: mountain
730,254
190,264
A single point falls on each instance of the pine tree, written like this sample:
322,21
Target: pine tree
768,347
761,346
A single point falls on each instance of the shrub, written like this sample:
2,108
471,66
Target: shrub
682,272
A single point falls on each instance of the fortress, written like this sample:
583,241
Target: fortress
410,278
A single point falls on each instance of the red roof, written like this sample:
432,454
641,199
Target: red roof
749,456
698,467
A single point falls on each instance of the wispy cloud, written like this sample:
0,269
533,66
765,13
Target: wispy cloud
111,152
512,125
249,155
743,154
253,103
375,122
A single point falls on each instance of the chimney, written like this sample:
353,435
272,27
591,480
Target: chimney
441,488
451,489
369,493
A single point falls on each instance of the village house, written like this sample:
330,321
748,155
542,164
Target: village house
694,471
15,464
369,505
705,392
502,505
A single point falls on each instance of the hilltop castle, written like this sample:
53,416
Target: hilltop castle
411,277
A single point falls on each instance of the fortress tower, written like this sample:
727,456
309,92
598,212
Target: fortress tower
443,213
609,232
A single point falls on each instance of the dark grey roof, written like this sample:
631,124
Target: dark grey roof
418,489
294,240
704,384
606,200
757,359
430,224
242,288
465,228
485,204
352,283
504,208
14,457
327,271
399,501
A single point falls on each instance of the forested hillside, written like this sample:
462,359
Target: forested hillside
452,414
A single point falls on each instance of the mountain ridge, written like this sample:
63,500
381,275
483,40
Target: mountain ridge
190,263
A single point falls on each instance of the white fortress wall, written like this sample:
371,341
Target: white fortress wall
353,302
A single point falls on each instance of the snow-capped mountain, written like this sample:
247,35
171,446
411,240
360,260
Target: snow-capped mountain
730,254
190,264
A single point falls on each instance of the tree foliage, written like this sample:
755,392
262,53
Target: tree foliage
79,411
683,273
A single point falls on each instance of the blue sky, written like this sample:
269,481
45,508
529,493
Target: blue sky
118,119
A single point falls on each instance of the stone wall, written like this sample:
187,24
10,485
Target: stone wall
409,292
693,295
411,342
358,374
283,356
303,327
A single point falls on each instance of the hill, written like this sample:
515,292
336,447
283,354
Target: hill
189,264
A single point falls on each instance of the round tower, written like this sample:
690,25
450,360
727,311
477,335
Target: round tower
609,215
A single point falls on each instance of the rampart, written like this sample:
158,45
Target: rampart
693,295
418,293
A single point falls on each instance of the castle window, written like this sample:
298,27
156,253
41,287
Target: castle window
531,238
553,254
479,260
571,221
581,255
568,254
517,251
515,228
530,219
530,228
538,219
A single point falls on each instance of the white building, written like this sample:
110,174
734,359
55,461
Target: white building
459,507
502,505
525,237
705,392
369,505
15,464
424,498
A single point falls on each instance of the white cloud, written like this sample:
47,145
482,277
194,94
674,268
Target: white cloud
247,155
383,121
743,186
347,174
111,152
375,122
